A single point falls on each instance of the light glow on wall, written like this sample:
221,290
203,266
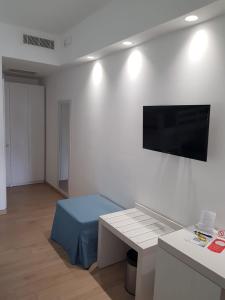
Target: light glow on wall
97,74
198,46
127,43
191,18
90,57
134,64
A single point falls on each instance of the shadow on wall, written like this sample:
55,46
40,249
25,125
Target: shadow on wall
175,188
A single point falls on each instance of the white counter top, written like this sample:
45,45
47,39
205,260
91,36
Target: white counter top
209,264
138,229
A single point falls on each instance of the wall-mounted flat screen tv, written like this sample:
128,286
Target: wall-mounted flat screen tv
181,130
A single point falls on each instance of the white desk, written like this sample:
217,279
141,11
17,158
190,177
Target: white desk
137,228
188,263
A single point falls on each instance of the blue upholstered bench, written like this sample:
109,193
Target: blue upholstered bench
75,226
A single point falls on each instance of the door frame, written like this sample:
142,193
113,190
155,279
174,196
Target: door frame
7,146
59,104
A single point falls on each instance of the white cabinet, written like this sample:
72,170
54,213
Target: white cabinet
18,102
185,271
24,105
177,281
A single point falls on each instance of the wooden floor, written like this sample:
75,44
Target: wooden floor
32,267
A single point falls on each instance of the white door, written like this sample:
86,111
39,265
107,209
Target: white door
7,135
25,133
19,134
36,132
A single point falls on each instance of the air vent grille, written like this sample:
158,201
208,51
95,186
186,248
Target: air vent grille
37,41
21,72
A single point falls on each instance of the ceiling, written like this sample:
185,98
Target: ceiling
206,13
42,70
52,16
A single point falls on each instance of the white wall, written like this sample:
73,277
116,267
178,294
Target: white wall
121,19
118,20
12,45
185,67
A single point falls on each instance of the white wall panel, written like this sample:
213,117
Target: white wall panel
19,134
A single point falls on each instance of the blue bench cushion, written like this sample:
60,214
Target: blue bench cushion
75,226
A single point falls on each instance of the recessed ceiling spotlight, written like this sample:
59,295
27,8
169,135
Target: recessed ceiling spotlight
91,57
191,18
127,43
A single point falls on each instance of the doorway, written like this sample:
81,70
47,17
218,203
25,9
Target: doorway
64,145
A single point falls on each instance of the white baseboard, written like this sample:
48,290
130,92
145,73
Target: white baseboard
26,183
93,267
57,189
3,212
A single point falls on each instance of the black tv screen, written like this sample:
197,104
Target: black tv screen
179,130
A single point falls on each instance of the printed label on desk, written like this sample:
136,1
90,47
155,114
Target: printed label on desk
221,234
217,246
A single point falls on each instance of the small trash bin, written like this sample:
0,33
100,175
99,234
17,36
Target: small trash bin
131,272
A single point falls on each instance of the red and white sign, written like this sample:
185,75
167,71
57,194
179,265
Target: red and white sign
217,246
